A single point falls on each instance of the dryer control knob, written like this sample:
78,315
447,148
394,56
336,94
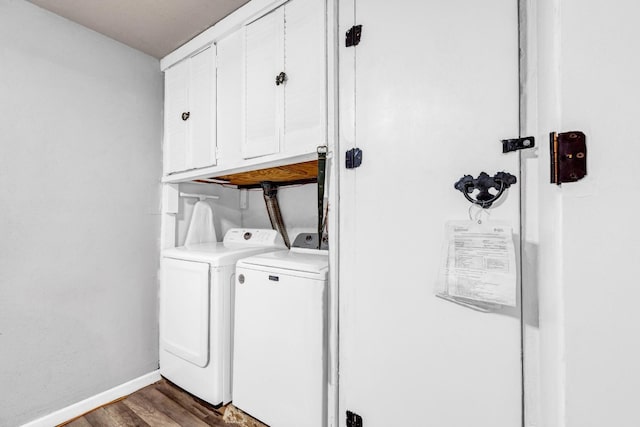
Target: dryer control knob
241,279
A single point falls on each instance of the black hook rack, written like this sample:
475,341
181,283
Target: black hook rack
500,181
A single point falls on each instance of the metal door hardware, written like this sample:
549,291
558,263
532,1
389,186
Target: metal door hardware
353,419
353,158
500,181
568,156
515,144
353,36
281,78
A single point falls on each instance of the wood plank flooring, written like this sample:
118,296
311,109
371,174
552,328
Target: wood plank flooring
162,404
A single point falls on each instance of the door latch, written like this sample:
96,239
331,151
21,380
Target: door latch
568,156
353,36
509,145
353,158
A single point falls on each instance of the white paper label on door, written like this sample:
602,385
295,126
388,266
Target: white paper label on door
478,263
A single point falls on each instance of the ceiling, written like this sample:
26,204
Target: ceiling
155,27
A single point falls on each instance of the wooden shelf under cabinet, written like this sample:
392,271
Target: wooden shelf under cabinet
298,173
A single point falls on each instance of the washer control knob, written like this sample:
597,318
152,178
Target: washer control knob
241,279
247,235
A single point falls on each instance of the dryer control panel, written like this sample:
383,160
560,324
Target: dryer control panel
254,237
310,241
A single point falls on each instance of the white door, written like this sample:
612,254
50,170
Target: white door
427,95
263,99
190,116
201,150
176,128
229,81
305,88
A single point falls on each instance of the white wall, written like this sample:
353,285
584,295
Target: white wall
588,80
226,209
297,204
80,134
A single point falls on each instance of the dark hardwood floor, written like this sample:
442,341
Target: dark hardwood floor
159,405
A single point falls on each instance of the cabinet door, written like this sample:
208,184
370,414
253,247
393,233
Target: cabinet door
176,130
201,147
305,91
263,62
229,80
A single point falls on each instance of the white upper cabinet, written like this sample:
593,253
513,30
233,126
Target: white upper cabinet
249,92
305,88
190,116
229,105
175,129
202,103
263,61
285,81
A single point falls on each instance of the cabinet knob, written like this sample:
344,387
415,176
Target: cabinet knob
185,116
280,79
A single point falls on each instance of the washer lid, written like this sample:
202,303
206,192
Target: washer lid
295,262
238,243
216,254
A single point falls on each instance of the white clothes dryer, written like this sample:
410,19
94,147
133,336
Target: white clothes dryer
280,344
196,310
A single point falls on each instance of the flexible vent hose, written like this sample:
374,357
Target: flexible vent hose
270,194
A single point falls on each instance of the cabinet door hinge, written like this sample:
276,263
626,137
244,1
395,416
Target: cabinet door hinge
353,419
568,156
509,145
353,36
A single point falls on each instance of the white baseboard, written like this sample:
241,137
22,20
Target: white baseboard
84,406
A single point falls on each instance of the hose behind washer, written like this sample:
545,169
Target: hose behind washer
270,194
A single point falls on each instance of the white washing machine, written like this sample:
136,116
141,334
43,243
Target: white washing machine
280,337
196,310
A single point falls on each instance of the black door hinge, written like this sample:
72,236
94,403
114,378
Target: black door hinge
568,156
353,419
509,145
353,158
353,36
